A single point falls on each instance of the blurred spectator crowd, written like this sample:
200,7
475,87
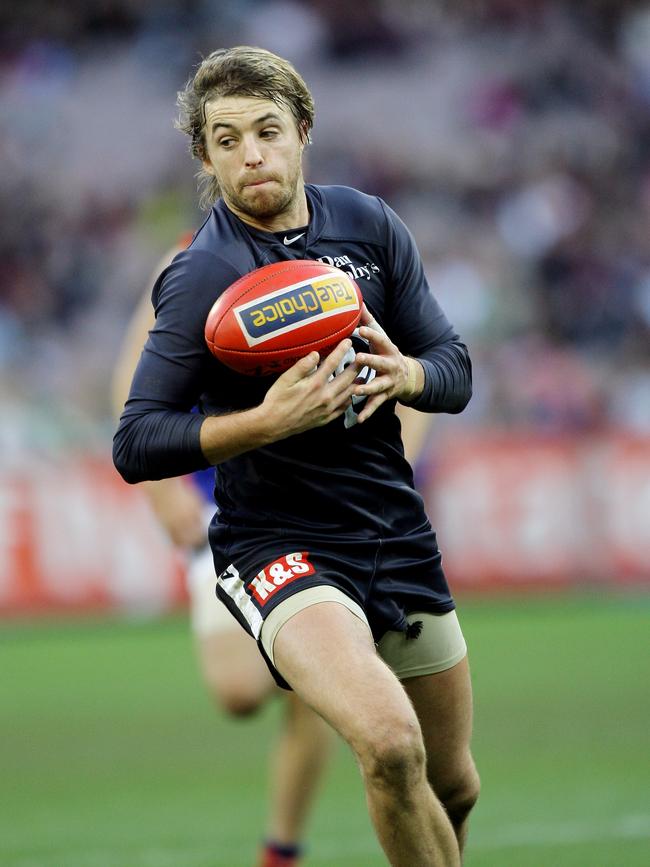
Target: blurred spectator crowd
512,136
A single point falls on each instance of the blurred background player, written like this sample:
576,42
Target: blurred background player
234,672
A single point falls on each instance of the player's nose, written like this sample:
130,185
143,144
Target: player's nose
252,153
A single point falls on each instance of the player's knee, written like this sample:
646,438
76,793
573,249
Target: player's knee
239,703
394,758
460,794
235,698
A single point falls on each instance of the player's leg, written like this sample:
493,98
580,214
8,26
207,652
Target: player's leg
328,656
435,673
236,676
298,758
239,682
443,704
296,768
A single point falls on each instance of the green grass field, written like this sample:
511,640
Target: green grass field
111,754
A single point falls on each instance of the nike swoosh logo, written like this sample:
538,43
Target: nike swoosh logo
288,241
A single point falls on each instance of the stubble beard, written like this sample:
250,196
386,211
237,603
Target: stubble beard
266,204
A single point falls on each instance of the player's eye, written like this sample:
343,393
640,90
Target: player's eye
269,133
226,142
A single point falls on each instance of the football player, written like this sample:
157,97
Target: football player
323,550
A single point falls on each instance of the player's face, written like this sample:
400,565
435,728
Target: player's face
255,152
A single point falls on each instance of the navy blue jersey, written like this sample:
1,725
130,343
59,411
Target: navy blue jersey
351,481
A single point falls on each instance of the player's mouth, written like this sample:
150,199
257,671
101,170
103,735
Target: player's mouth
260,182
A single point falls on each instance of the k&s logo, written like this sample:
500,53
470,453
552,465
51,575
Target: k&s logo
282,571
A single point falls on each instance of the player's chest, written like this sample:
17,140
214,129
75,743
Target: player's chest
363,263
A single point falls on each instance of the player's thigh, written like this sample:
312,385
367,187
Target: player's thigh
230,661
443,704
430,658
327,654
233,668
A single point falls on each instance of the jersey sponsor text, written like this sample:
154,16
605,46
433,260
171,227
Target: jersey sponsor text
356,272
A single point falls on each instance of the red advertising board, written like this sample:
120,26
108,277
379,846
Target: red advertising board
518,511
510,511
74,536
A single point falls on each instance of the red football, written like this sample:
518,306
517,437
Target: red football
270,318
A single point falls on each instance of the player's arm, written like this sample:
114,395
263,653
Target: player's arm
176,503
423,362
162,442
304,397
158,437
397,377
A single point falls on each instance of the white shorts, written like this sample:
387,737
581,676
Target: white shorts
440,643
207,613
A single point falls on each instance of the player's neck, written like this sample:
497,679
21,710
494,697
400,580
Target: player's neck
296,215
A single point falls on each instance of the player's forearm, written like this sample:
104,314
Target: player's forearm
447,385
225,436
152,443
160,444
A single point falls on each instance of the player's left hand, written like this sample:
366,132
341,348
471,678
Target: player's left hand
397,376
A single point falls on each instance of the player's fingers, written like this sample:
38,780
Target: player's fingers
380,363
332,361
342,404
369,321
334,409
376,386
303,368
343,383
372,404
366,316
341,391
338,405
378,340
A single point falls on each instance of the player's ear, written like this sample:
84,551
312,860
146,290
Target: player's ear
303,133
201,152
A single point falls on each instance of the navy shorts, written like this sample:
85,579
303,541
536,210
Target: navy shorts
387,578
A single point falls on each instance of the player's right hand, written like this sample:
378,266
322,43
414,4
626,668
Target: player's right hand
307,395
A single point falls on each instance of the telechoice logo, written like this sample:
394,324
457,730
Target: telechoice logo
282,571
285,310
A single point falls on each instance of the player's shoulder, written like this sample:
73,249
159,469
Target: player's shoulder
350,212
336,196
214,257
220,237
199,271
